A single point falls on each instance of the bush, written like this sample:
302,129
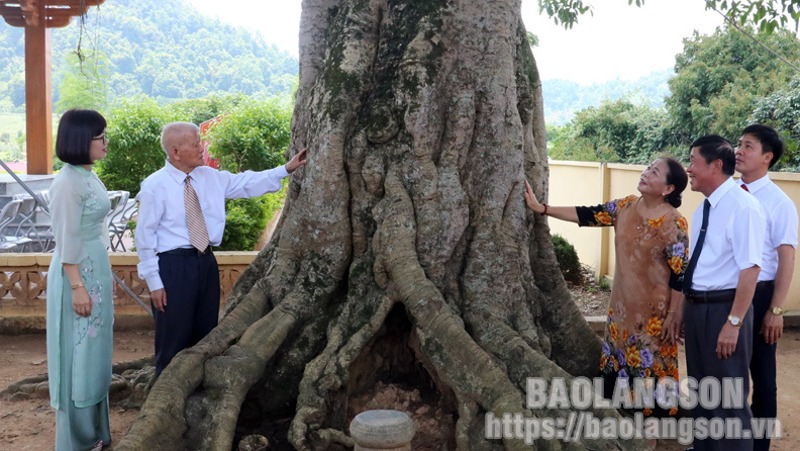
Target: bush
567,259
200,110
247,218
253,136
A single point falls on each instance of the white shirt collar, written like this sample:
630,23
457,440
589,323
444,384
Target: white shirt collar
756,185
175,173
721,190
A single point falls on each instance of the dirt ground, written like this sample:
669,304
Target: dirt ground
29,424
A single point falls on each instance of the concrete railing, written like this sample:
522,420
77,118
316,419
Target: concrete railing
583,183
23,285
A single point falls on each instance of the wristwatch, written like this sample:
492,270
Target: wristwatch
735,321
777,311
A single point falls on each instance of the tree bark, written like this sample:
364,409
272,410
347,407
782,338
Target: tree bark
405,251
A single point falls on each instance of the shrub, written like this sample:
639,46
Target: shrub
253,136
567,259
209,107
247,218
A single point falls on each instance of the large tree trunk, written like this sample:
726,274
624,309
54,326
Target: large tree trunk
405,255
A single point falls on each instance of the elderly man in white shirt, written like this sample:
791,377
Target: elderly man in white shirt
181,216
759,149
727,242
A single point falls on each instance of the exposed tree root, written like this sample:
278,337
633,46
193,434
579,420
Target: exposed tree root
164,410
130,385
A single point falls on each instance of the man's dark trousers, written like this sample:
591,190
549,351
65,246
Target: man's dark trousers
191,282
763,363
703,322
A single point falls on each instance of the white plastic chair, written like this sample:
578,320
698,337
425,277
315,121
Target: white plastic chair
8,215
118,224
40,232
118,200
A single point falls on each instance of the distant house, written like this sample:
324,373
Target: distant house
205,127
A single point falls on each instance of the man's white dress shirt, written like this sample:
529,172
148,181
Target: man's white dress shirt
161,225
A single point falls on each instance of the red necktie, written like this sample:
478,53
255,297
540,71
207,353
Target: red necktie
744,187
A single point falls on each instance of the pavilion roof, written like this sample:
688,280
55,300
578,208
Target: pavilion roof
51,13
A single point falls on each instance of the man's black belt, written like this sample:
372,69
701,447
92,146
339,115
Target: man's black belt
706,297
187,251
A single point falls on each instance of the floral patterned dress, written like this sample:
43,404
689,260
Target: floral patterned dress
79,348
651,257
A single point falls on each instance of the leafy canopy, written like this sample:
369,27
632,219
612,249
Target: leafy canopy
614,131
768,15
719,79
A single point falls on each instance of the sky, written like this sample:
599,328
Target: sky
618,42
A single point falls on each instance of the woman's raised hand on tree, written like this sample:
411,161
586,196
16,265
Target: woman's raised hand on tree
530,199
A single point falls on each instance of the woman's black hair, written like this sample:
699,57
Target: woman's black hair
678,178
75,132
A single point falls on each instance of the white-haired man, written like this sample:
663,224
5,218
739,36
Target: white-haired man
181,217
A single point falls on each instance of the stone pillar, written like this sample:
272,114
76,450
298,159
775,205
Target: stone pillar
382,430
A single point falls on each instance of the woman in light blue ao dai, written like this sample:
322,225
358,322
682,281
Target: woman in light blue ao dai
80,308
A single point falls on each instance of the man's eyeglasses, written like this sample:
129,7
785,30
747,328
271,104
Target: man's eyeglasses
102,137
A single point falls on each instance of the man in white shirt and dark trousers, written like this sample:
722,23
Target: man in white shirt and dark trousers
181,216
759,149
727,243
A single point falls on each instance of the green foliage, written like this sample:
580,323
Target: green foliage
533,40
568,144
246,219
719,79
12,137
723,82
782,111
562,99
617,131
565,12
253,136
134,147
16,89
567,259
769,15
200,110
83,83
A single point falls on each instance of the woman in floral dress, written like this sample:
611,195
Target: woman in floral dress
80,309
652,251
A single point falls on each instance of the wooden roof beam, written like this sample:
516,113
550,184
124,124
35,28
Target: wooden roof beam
21,13
49,11
50,22
30,10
